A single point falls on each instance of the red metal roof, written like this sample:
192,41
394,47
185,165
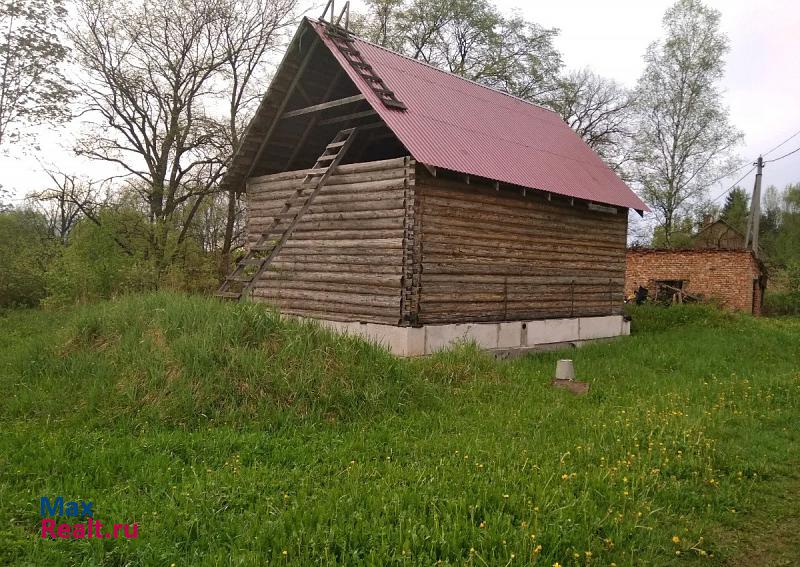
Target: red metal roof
457,124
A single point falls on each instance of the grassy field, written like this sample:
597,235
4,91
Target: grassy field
234,438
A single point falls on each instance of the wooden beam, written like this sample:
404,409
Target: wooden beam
347,117
323,106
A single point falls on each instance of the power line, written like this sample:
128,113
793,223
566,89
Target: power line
782,143
718,197
794,151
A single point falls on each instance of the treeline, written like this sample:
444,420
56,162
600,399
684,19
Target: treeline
161,91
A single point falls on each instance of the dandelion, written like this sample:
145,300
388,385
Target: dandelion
483,525
285,552
676,539
564,476
556,564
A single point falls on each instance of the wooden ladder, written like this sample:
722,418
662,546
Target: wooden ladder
239,283
345,43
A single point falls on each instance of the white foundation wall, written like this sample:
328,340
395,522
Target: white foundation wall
508,336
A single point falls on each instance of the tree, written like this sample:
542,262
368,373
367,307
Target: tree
26,251
470,38
33,88
600,111
684,139
736,209
252,28
156,70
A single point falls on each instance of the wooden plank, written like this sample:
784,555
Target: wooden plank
347,117
323,106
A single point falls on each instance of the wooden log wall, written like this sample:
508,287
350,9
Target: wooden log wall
496,255
344,260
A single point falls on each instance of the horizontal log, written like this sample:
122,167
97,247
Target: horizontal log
478,267
480,280
369,235
528,315
478,212
390,317
533,199
322,208
331,298
342,169
438,252
534,248
454,219
523,298
362,225
336,278
334,183
335,258
507,307
327,287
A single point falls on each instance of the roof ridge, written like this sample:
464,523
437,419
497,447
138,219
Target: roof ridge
440,70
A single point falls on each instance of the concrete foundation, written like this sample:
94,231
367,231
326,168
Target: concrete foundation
506,338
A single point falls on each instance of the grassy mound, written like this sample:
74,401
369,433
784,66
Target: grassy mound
178,360
234,437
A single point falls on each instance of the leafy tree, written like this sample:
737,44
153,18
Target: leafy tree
736,209
470,38
26,251
684,139
681,237
155,71
33,88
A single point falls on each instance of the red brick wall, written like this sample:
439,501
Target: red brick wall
725,275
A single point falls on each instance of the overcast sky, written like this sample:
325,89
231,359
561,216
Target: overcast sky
762,82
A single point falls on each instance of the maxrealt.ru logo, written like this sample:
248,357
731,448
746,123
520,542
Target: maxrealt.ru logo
78,509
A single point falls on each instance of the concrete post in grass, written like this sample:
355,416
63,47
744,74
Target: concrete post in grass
565,370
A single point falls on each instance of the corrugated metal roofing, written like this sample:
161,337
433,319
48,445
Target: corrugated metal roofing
466,127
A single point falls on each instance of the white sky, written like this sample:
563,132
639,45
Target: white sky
762,83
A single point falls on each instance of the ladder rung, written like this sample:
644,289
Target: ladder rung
362,65
335,145
371,78
327,157
251,261
350,50
240,279
229,294
394,103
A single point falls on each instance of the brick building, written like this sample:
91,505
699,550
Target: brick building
735,278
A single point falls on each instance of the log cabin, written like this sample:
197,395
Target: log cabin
394,200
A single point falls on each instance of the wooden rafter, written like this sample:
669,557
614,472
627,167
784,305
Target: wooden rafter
324,106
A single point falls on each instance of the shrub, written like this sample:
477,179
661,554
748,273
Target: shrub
652,317
782,303
26,250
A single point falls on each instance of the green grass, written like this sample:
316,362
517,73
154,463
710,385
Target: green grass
235,438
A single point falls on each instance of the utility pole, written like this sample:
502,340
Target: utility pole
753,221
